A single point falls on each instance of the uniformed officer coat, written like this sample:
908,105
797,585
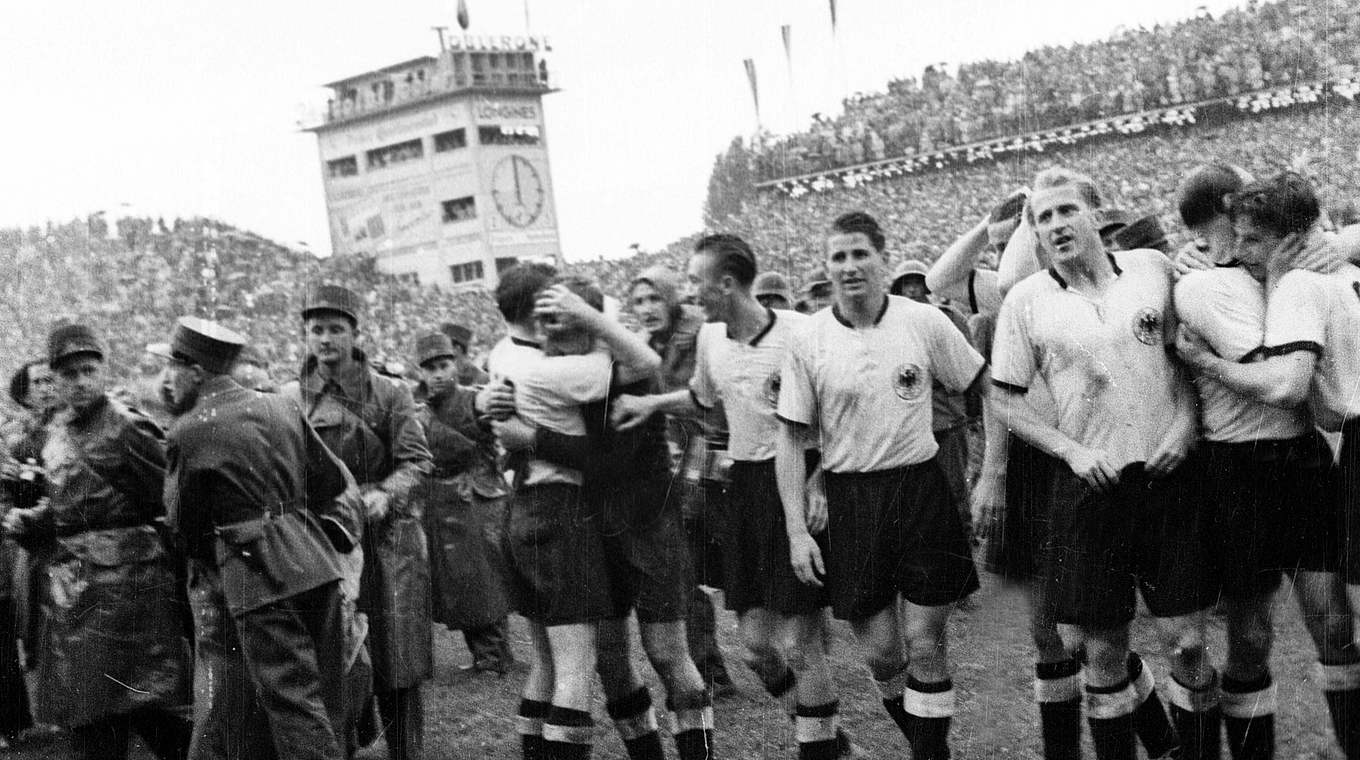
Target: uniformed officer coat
369,422
115,639
463,504
254,490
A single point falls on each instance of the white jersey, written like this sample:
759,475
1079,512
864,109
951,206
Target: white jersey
549,391
1227,306
1321,313
1105,361
744,376
868,390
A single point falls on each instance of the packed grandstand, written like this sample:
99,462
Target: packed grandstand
1289,101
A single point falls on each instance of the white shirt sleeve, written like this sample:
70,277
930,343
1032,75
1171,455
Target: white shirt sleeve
701,385
1296,315
954,362
986,295
797,391
1012,348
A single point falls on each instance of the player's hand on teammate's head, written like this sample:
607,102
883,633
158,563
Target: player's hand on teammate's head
558,308
1191,258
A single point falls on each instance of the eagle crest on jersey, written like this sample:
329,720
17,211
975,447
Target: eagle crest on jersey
772,388
908,382
1147,326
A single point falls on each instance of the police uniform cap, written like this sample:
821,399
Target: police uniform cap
772,284
67,341
333,298
207,344
433,346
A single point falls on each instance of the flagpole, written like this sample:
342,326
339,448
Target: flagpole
786,31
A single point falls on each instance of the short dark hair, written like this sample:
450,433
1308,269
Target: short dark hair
584,287
19,385
1203,195
731,256
1283,204
860,222
519,286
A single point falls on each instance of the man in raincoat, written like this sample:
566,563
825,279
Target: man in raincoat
369,422
114,657
463,502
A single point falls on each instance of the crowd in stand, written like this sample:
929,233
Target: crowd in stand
135,278
922,213
1244,49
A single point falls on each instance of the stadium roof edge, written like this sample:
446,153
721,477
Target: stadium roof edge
384,70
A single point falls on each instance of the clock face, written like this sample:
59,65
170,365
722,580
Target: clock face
517,190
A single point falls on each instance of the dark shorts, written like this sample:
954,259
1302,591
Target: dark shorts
1015,550
1146,534
646,552
756,547
704,511
953,460
1347,501
894,532
1269,511
556,557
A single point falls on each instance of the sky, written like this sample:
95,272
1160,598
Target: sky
182,107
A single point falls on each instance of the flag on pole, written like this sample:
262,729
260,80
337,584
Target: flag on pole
833,16
787,32
755,91
463,14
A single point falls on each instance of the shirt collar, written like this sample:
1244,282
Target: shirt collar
350,381
769,325
836,312
1062,283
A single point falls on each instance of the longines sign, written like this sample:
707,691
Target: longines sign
481,42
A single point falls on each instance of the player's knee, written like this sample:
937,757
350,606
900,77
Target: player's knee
763,656
884,663
1047,640
1186,646
1107,658
800,658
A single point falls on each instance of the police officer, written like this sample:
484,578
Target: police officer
369,422
114,657
256,498
463,506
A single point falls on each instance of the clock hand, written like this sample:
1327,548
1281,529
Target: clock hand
514,166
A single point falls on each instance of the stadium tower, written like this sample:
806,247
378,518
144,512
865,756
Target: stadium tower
438,166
